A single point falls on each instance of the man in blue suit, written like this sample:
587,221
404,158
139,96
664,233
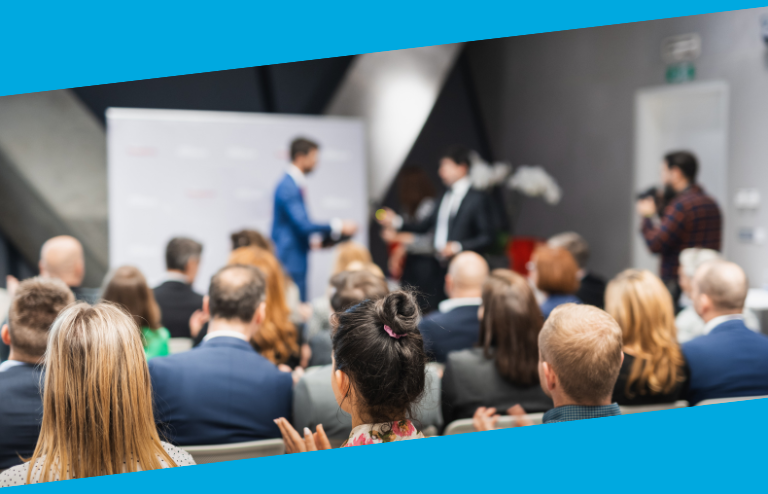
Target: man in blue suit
223,391
455,325
291,226
730,360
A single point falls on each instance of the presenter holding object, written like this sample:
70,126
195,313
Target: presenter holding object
292,228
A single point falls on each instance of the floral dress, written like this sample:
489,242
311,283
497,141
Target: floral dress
382,433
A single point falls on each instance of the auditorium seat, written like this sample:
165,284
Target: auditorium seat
179,345
463,426
628,410
237,451
729,400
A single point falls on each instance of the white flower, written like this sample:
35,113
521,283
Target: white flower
483,175
533,181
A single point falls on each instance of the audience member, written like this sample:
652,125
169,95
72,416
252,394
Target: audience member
175,296
454,326
689,324
579,361
128,288
729,360
553,271
379,374
502,370
223,391
653,370
591,287
97,403
313,398
461,222
35,305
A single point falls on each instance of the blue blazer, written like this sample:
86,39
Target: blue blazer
220,392
291,227
730,361
450,331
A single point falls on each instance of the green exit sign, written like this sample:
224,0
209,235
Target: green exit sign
681,72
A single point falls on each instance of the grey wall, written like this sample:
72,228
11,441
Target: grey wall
566,101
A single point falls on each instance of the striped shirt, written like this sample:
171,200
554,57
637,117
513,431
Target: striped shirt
692,219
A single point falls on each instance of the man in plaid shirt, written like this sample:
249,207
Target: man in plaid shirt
691,219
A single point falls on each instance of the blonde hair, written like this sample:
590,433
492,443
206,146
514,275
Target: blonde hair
348,252
583,345
97,400
277,339
643,307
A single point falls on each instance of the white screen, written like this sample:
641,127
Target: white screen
205,175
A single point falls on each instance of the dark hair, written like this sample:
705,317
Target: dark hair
128,288
35,305
179,251
248,238
302,147
684,161
509,331
413,186
352,287
458,154
236,292
388,374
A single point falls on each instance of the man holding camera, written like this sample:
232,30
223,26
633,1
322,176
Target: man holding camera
689,218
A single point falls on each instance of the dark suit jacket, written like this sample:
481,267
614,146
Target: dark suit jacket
471,225
21,413
177,301
592,290
450,331
221,392
471,381
730,361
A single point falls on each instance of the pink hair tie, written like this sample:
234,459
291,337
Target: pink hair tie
392,333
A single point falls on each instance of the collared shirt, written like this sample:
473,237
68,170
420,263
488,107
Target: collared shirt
226,332
300,179
9,364
174,276
577,412
712,324
449,206
692,219
454,303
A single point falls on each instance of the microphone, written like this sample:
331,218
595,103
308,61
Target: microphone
650,192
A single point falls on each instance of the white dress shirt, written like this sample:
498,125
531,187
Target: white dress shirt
226,332
454,303
4,366
449,206
300,179
712,324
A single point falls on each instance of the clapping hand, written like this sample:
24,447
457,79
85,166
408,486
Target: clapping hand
196,322
294,443
485,419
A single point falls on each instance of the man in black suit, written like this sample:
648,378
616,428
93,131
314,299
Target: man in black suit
176,298
455,325
592,287
460,223
35,305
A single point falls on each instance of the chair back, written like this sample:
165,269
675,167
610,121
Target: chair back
463,426
729,400
237,451
179,345
630,409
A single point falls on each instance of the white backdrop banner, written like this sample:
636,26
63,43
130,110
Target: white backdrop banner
205,175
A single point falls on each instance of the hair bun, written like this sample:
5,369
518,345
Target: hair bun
400,311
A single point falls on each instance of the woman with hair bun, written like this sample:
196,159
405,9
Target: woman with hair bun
378,374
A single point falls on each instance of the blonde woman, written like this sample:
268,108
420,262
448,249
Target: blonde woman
654,370
97,403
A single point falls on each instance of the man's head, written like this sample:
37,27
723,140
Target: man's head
579,355
454,165
352,287
690,260
719,288
679,170
62,258
35,305
182,255
236,296
304,154
573,243
466,275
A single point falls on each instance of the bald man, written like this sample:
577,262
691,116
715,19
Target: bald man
730,360
62,258
455,326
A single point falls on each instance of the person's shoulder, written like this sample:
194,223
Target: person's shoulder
179,456
465,357
14,476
